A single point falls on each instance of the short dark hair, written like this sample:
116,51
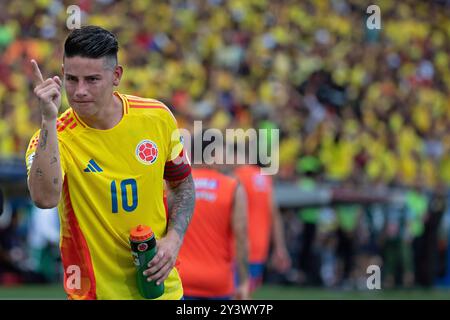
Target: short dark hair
91,42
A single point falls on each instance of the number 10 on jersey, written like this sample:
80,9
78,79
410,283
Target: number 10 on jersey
124,186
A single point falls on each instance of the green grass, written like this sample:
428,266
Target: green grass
33,292
296,293
265,293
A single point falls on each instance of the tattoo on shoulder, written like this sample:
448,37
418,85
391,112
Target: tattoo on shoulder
183,205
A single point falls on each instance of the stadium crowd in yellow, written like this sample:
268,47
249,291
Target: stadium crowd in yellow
257,63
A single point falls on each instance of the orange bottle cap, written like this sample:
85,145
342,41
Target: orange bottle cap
140,233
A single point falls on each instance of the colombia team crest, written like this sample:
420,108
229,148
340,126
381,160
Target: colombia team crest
142,247
146,152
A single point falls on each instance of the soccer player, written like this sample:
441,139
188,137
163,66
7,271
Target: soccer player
264,222
216,239
104,160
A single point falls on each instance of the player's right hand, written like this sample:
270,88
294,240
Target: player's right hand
49,93
242,291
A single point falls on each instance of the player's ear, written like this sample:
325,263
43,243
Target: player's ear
117,75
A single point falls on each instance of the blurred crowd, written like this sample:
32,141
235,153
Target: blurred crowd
354,106
371,103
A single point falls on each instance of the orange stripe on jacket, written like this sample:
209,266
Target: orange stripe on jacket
206,257
64,124
75,255
147,107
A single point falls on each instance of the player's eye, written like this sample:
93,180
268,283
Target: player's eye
71,78
92,79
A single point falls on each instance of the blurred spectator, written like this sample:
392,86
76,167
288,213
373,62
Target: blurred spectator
43,243
309,259
339,90
14,267
428,261
1,202
396,242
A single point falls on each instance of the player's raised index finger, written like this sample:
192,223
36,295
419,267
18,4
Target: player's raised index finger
37,71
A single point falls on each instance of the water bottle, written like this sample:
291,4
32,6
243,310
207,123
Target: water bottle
143,249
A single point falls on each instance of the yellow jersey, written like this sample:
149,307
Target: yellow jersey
113,181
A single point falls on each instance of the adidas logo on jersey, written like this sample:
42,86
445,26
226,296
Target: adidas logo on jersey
92,166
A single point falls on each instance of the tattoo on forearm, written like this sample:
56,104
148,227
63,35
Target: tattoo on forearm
55,181
182,206
54,160
39,173
43,140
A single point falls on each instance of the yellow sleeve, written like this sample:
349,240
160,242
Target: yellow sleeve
176,143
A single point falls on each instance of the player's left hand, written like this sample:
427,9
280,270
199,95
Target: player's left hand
281,260
164,260
242,291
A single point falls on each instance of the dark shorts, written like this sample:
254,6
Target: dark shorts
255,272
